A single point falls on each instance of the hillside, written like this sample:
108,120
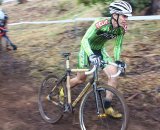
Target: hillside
39,53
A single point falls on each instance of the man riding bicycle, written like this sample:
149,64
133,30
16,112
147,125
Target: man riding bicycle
93,46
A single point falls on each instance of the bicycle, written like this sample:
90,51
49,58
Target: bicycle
92,115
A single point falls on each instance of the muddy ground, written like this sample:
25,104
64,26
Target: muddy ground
19,109
19,90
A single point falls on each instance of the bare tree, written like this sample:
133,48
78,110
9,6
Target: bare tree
1,1
155,7
21,1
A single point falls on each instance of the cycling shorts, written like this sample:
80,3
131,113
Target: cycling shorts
83,59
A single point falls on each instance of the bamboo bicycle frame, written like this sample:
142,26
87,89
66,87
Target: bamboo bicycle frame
69,87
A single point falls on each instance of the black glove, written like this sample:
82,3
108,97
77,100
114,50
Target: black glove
122,65
94,59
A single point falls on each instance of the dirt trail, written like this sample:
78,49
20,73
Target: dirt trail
19,110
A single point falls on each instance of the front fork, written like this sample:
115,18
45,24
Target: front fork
97,95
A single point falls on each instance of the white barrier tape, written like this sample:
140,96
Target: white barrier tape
45,22
152,17
6,1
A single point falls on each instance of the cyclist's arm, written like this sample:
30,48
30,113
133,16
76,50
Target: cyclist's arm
118,47
105,55
85,41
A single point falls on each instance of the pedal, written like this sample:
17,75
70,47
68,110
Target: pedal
48,97
102,115
68,108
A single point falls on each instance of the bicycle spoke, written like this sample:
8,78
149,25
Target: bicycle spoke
50,106
90,120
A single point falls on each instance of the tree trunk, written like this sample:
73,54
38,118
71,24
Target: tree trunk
155,7
1,1
21,1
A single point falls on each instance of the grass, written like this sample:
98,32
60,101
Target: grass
42,45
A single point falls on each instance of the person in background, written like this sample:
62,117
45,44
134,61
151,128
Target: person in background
3,30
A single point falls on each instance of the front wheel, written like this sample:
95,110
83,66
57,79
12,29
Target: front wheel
90,119
51,105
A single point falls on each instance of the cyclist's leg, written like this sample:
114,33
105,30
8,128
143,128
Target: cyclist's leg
110,70
82,63
9,42
80,78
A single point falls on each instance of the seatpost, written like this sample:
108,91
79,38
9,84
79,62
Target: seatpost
68,80
67,62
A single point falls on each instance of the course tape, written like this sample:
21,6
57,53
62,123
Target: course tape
151,17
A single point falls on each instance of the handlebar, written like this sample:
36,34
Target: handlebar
110,63
91,71
119,69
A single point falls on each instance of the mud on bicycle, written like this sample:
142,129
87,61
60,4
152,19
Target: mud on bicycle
55,100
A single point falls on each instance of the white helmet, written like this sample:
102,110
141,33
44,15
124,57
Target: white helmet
121,7
2,15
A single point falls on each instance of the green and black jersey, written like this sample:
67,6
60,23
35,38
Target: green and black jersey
96,36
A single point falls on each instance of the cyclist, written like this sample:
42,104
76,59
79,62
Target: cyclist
93,46
3,29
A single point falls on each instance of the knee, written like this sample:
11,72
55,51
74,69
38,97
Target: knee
112,82
81,79
110,70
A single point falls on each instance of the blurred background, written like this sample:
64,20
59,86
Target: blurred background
39,53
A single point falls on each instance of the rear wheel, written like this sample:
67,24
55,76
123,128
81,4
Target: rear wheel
90,120
51,105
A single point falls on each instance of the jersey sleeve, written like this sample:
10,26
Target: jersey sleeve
85,41
105,55
118,47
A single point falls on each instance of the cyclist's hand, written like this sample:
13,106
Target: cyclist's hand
123,65
94,59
